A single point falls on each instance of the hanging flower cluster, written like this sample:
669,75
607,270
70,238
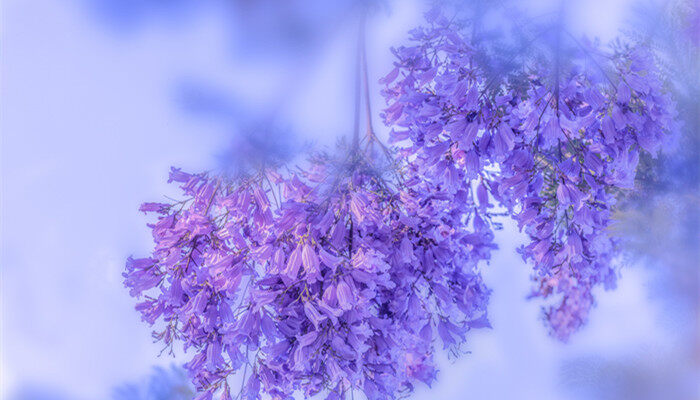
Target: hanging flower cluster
342,276
350,273
555,145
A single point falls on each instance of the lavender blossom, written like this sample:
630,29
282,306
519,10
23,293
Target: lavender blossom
556,154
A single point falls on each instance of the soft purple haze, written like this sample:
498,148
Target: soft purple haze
90,128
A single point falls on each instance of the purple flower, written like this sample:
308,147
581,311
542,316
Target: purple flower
556,165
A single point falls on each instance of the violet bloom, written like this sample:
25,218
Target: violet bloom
556,154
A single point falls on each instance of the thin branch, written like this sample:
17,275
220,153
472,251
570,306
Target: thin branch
358,62
368,108
370,134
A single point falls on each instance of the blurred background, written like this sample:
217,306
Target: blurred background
100,97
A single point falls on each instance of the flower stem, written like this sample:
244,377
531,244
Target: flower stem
368,107
358,78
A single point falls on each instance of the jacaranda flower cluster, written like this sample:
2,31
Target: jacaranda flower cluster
349,273
555,146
